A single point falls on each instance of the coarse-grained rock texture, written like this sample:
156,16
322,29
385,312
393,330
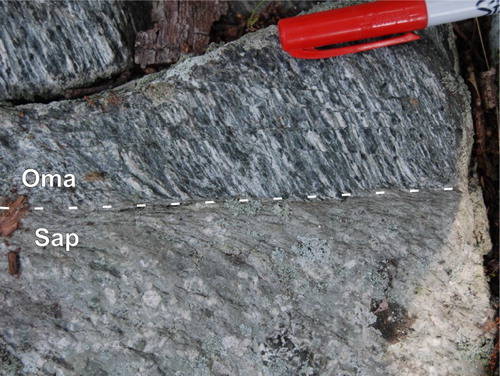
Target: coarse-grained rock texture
48,47
373,284
286,288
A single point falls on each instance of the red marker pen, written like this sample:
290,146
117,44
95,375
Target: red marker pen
302,36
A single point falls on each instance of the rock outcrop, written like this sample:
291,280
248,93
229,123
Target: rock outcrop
384,282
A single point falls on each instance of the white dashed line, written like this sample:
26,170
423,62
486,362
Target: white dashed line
241,200
4,208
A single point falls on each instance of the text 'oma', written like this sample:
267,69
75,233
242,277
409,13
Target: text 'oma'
32,178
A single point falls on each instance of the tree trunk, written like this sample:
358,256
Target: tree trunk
179,26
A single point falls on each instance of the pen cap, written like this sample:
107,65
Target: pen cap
378,18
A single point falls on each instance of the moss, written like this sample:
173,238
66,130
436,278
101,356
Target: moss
9,364
282,210
277,367
281,264
311,251
158,90
245,331
236,208
144,82
282,355
199,368
212,347
476,351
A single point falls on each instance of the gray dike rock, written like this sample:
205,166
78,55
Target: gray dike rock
47,47
287,288
373,285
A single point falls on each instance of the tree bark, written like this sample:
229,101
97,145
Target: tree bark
178,26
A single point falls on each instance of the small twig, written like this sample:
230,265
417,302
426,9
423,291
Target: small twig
482,43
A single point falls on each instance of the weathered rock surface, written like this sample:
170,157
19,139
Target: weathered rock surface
254,289
374,285
46,48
